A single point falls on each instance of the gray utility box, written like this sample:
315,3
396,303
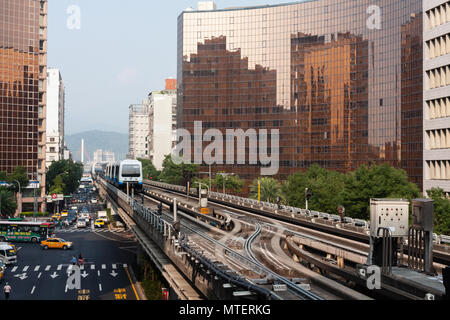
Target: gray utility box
423,214
389,213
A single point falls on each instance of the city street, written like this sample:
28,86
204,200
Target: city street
42,274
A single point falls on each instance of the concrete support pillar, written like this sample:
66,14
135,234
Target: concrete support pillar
140,255
340,262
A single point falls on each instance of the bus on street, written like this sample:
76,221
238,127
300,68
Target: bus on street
25,231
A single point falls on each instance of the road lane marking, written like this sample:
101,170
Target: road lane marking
32,290
93,267
103,266
98,272
125,265
82,267
59,267
132,285
36,268
114,266
25,268
100,286
40,274
48,268
14,269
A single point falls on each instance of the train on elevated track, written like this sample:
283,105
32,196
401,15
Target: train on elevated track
125,173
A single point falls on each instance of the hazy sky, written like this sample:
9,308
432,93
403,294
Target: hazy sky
122,51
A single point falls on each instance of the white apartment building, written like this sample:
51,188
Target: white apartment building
138,130
55,117
437,94
162,128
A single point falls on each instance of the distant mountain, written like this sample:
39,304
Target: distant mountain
94,140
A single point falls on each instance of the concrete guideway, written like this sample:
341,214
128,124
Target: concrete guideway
176,280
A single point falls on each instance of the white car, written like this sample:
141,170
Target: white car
81,223
8,254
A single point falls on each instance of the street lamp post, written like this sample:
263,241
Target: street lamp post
224,175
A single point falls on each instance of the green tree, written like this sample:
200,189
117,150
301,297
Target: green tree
441,211
149,170
178,174
70,172
233,183
57,186
8,203
381,181
19,174
270,190
325,185
3,176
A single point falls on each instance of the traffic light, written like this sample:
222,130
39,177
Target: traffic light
308,194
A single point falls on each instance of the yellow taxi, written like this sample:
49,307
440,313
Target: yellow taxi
56,217
99,223
64,213
56,243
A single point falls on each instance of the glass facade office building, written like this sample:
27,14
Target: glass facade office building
342,80
23,74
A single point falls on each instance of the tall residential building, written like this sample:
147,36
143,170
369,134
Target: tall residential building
162,125
23,87
138,129
55,116
437,95
341,81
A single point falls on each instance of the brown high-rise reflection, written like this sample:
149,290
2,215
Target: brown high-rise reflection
23,32
342,93
329,97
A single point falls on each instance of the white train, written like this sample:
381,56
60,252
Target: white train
125,172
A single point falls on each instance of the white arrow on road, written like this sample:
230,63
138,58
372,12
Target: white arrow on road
84,274
54,275
22,276
114,274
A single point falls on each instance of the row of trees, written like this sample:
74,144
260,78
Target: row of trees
181,174
63,177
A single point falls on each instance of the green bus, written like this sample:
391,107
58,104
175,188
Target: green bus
14,231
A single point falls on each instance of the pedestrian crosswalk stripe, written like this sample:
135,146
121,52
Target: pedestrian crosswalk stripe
59,267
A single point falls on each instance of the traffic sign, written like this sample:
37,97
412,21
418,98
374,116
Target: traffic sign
54,196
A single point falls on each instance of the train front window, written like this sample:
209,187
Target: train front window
131,171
